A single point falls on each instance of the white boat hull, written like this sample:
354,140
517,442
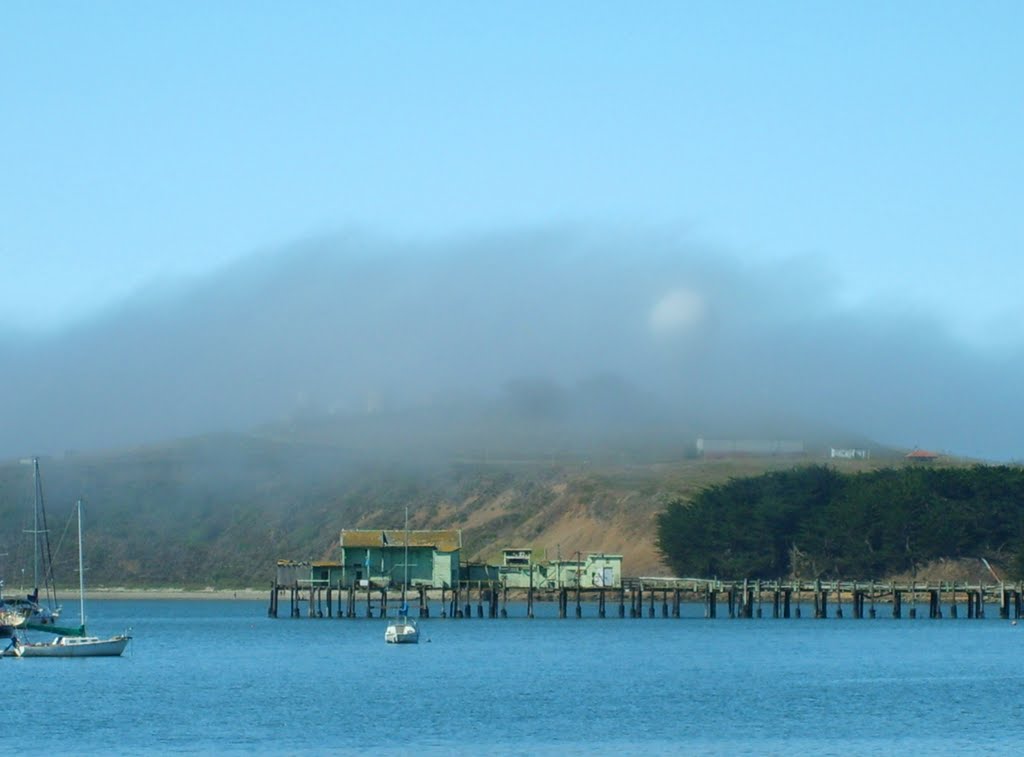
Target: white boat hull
402,632
71,646
11,619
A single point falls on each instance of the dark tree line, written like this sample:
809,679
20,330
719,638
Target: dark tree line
815,521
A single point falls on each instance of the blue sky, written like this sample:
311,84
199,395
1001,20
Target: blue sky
146,141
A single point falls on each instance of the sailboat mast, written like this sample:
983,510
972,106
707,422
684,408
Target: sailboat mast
405,583
48,583
81,569
35,523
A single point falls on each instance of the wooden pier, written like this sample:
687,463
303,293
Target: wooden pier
652,597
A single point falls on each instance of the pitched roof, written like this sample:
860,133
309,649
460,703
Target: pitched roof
443,541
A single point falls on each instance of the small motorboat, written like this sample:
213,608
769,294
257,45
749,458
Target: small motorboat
402,631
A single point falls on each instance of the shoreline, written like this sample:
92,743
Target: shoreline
70,596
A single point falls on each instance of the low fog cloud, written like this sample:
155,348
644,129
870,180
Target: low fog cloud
546,324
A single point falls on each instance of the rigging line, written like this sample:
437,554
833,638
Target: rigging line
67,525
47,579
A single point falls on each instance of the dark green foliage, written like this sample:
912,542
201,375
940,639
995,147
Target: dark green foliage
814,521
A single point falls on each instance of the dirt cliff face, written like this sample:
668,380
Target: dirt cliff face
559,510
550,506
572,519
553,510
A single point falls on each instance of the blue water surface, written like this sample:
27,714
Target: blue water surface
221,677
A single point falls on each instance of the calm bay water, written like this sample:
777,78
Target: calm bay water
216,677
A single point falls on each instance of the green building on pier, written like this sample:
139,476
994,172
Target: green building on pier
378,558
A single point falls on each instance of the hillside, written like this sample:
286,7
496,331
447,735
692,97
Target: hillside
218,510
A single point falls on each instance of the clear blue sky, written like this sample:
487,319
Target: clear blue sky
142,141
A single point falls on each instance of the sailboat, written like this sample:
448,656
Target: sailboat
403,629
39,615
72,645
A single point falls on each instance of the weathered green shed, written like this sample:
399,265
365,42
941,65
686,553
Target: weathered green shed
315,573
377,557
593,570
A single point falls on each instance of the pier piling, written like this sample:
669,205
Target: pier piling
744,599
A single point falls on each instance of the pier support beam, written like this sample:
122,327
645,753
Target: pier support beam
746,601
820,601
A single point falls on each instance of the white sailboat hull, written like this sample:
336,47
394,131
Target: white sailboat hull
72,646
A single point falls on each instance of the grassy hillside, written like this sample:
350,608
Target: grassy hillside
219,510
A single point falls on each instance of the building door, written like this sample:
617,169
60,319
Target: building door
608,577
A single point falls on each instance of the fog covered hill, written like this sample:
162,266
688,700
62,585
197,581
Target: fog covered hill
542,387
219,509
612,328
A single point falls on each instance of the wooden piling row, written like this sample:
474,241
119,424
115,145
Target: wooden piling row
743,599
